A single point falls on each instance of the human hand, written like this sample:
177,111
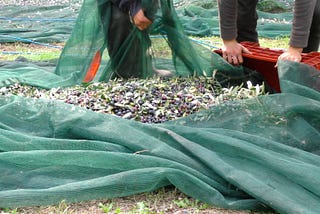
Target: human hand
292,54
232,51
141,21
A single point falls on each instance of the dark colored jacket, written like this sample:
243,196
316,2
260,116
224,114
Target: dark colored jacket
132,6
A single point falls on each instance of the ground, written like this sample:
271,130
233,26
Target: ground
166,201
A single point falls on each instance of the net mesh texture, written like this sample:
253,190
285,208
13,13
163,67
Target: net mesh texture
252,154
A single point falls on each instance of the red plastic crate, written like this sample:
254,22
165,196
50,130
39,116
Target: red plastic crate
263,60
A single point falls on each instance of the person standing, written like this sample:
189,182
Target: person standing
238,22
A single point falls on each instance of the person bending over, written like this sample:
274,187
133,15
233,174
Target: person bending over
126,15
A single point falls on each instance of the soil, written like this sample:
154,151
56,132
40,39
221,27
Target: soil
166,201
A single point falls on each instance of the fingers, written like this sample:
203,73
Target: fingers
141,21
233,59
291,56
232,52
245,50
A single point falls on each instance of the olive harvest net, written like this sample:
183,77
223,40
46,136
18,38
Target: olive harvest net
260,153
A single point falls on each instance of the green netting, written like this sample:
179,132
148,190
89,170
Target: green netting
52,21
251,154
241,155
89,38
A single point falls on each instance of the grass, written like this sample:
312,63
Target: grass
33,52
276,43
165,200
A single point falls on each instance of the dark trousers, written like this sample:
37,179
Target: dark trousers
247,24
124,47
314,36
247,21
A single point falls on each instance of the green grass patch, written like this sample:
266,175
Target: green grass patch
32,52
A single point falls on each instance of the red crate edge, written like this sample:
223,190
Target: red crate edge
263,60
